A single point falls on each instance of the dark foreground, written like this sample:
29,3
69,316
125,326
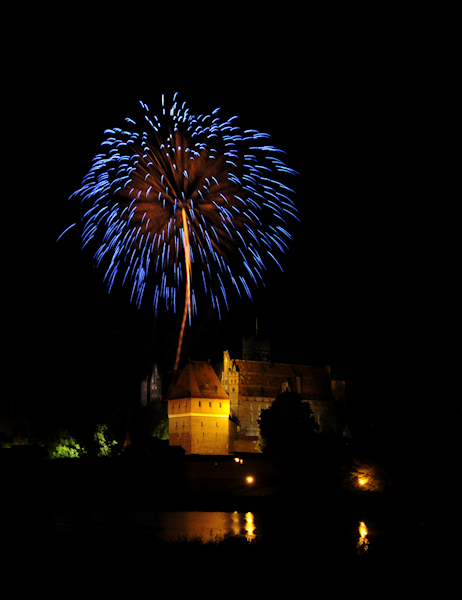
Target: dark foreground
315,556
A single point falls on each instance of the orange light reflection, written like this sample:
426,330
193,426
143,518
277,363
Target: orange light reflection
363,542
250,526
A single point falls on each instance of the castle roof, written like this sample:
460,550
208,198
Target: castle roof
262,379
198,380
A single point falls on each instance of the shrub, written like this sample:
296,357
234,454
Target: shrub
105,440
62,445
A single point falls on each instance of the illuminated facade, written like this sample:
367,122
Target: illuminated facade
198,412
219,414
254,385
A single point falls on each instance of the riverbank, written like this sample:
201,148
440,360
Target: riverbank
145,483
199,483
207,484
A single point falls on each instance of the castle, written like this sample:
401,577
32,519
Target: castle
215,409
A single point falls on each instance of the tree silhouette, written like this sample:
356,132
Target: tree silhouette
288,426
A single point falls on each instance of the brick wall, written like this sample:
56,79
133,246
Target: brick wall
210,435
200,426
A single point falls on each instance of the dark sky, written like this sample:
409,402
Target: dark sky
77,343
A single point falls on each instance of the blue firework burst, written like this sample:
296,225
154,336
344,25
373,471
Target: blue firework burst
178,189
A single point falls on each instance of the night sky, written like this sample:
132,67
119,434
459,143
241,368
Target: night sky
75,343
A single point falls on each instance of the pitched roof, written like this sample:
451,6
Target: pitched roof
198,380
265,380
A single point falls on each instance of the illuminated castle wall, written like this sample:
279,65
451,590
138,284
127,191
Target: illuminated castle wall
198,412
219,414
254,385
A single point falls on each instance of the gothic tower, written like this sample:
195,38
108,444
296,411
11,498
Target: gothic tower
256,347
230,381
151,389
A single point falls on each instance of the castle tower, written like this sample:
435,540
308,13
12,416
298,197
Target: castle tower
151,389
198,411
230,381
256,347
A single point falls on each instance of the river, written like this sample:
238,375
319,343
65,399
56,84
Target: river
172,525
166,525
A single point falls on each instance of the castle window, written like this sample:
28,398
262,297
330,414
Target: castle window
202,423
200,403
210,404
186,405
220,404
234,390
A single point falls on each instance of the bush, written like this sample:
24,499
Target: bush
105,441
62,445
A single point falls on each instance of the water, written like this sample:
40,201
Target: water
163,525
63,550
172,525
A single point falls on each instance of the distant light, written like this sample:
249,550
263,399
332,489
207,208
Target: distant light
250,479
362,482
236,460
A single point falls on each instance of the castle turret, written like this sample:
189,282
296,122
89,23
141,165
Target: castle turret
198,411
256,347
151,388
230,381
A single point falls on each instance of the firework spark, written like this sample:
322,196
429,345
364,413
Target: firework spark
190,200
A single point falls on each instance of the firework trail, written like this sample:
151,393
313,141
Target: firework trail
189,200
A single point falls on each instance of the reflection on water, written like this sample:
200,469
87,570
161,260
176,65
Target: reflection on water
172,525
247,524
236,523
250,526
363,542
165,525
